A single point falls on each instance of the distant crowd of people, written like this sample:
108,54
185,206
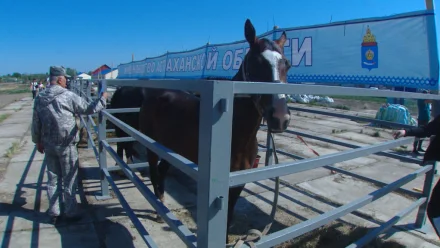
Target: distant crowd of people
37,87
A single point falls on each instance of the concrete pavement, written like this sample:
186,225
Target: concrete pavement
302,196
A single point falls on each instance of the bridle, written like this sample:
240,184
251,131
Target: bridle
245,76
253,235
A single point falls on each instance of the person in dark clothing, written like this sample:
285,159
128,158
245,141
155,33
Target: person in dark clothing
423,119
34,88
432,154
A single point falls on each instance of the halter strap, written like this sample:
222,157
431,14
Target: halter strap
245,75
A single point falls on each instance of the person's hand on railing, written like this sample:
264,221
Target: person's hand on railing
40,147
399,134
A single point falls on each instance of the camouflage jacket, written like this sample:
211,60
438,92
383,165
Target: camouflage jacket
53,120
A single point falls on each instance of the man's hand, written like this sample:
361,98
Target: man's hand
399,134
40,147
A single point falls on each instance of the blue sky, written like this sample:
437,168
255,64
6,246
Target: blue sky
86,34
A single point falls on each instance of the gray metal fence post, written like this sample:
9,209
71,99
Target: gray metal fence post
82,96
81,88
102,87
427,188
89,123
216,107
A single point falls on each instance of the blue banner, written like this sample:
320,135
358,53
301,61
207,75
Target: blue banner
389,51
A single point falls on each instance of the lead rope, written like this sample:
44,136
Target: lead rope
254,235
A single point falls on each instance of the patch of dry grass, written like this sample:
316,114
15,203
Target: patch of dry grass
4,117
12,150
15,89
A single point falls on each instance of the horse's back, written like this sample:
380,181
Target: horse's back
172,119
127,97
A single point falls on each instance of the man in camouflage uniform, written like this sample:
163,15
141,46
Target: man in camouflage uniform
55,133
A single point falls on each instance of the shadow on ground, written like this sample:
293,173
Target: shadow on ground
77,234
335,235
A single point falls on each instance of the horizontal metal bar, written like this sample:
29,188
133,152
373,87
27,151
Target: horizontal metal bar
387,225
131,166
349,173
340,143
257,174
401,157
281,88
134,219
189,85
372,180
123,110
306,226
123,139
180,162
283,153
344,116
91,120
176,225
109,130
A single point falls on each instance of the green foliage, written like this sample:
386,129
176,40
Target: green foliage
26,78
16,75
71,72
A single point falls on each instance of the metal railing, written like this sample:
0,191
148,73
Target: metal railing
214,178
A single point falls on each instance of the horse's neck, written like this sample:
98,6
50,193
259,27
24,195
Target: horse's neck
252,123
247,120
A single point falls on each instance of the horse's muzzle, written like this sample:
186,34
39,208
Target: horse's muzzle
277,126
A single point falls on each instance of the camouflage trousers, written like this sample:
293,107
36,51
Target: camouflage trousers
62,170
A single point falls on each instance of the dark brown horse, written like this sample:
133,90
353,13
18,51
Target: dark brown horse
126,97
171,117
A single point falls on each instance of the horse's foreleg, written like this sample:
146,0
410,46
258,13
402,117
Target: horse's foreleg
234,194
120,150
154,172
129,152
163,169
154,177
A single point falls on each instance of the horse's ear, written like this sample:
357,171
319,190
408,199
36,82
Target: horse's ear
249,32
282,40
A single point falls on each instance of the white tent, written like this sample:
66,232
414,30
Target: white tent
83,76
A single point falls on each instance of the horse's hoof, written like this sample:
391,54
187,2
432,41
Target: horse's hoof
121,173
159,219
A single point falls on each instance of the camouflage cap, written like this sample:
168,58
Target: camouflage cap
58,71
